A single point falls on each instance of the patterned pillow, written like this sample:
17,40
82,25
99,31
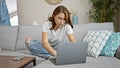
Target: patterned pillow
111,45
96,41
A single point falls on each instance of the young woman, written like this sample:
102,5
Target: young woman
54,30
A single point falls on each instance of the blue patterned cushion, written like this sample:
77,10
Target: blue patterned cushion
112,44
96,41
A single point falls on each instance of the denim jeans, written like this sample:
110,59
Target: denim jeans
37,49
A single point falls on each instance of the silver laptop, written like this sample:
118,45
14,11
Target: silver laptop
70,53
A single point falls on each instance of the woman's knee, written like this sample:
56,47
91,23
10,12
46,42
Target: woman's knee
28,39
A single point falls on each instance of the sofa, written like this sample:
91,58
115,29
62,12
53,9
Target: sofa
12,44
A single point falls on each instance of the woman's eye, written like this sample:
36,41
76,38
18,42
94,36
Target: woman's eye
61,18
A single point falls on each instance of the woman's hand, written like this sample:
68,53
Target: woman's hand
55,54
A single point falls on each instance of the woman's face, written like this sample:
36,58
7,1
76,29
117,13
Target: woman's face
59,19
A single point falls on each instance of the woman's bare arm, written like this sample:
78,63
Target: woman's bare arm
46,44
71,37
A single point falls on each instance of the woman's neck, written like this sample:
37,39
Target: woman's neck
56,28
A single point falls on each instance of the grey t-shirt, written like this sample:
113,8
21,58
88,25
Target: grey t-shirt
55,36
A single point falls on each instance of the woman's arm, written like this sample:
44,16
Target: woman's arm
71,37
46,44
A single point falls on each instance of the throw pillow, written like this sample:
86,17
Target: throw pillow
111,45
96,41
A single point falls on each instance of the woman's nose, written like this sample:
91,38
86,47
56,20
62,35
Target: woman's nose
62,21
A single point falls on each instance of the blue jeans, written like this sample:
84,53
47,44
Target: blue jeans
37,49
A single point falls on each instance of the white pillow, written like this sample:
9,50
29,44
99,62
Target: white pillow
96,41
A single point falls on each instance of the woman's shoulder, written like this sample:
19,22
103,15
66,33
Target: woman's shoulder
46,26
68,26
47,23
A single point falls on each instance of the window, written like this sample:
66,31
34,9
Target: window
14,20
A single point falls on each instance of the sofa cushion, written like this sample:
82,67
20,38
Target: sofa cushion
81,30
26,31
100,62
8,35
96,41
111,45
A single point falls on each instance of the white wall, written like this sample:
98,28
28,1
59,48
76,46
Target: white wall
38,10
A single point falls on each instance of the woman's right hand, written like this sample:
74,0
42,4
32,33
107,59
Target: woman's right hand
55,54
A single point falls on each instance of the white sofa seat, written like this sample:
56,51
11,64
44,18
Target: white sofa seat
100,62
